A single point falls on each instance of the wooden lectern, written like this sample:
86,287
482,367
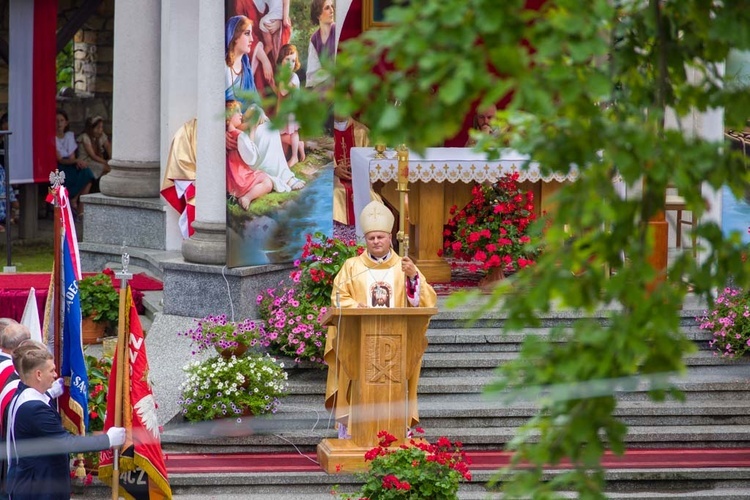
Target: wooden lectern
381,350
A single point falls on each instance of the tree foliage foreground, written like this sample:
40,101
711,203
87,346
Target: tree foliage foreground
589,84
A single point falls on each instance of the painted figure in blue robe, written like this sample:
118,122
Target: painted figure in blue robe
248,69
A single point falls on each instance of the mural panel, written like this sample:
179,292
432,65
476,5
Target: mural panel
735,212
279,184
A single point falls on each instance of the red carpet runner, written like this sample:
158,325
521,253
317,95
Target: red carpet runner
481,460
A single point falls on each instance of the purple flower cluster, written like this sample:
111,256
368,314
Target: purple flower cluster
729,322
215,332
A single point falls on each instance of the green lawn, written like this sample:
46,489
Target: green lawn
29,257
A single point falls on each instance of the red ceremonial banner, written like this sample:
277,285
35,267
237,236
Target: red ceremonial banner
143,473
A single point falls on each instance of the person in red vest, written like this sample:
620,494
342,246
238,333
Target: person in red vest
11,335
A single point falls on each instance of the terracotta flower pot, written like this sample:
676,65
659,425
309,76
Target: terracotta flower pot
92,332
491,278
228,352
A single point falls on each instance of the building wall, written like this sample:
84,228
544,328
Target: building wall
99,30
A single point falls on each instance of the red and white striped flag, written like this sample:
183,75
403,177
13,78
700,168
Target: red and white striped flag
178,188
32,86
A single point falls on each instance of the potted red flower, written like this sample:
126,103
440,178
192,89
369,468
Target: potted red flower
493,230
417,469
98,371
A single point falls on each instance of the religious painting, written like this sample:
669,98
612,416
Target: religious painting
373,12
279,182
380,295
735,212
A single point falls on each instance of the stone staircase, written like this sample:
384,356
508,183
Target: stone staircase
459,362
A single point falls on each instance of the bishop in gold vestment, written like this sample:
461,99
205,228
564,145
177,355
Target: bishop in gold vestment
377,278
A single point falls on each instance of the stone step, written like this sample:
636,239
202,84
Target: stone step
483,413
682,484
479,314
683,436
187,487
152,301
495,339
461,412
700,382
469,364
230,437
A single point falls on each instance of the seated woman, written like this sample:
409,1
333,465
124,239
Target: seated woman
95,149
78,177
240,87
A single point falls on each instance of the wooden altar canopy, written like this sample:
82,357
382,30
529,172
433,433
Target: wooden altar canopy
437,180
381,350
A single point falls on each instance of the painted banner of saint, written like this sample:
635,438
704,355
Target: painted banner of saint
279,183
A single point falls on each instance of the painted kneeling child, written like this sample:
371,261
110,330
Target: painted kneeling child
243,181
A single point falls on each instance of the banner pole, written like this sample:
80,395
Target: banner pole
122,336
57,179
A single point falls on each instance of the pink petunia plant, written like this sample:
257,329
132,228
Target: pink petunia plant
729,322
293,310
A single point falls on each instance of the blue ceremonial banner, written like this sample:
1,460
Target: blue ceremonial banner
74,402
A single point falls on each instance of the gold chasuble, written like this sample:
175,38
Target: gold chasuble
364,282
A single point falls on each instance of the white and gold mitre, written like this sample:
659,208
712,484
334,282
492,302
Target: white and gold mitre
376,217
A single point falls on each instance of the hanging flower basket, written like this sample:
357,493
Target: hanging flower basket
228,338
219,388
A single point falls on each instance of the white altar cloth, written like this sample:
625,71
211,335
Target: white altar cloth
441,165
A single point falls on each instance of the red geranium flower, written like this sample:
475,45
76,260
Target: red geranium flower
493,228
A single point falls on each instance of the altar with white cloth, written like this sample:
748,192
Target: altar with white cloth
441,178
